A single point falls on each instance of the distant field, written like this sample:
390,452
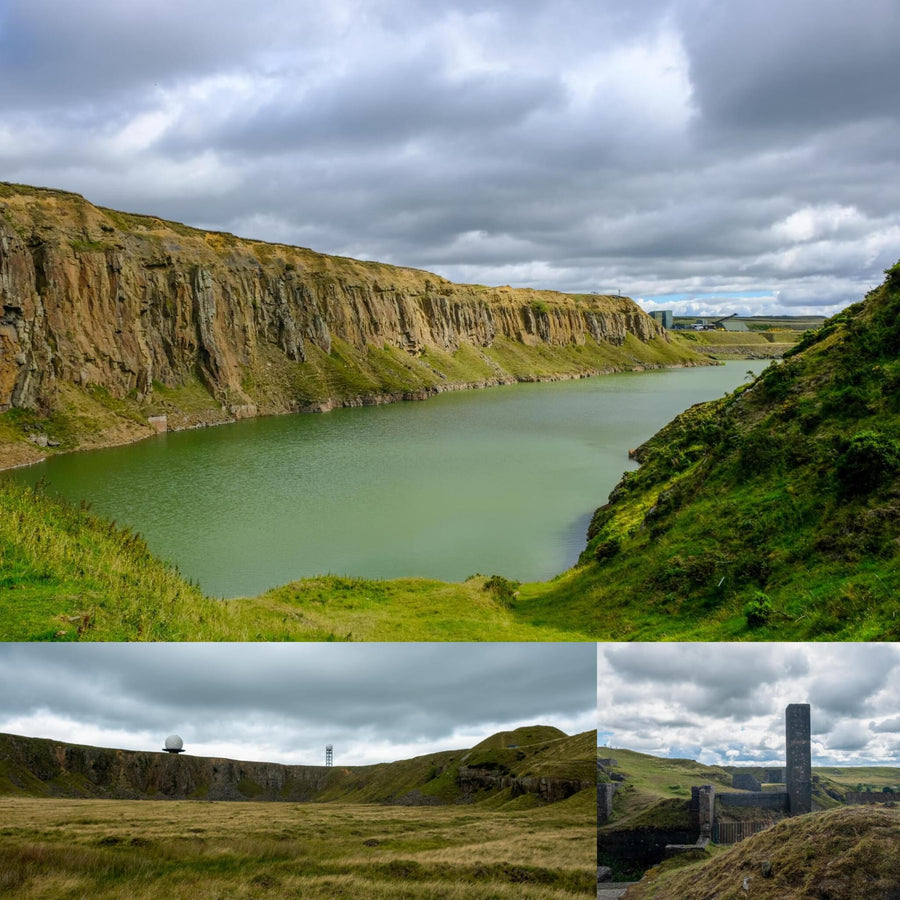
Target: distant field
164,849
766,323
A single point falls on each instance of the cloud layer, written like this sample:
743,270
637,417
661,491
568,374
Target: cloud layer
724,703
285,702
732,156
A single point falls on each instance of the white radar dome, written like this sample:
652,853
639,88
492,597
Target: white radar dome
329,747
173,742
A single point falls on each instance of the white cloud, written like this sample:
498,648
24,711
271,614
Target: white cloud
726,702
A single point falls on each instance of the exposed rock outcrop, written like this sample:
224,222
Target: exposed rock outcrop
472,779
132,306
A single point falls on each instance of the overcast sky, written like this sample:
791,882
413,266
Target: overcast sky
708,156
285,702
724,703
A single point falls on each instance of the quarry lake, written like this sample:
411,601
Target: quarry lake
502,480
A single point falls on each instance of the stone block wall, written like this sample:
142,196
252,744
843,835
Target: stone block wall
777,800
872,797
745,782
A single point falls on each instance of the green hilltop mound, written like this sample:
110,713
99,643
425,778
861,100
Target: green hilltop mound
520,737
37,767
841,854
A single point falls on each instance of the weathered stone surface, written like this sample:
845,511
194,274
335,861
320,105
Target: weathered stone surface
798,770
605,794
745,782
94,297
472,779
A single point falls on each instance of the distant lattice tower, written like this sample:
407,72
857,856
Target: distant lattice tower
174,744
329,755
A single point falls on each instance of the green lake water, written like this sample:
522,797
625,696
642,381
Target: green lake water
502,480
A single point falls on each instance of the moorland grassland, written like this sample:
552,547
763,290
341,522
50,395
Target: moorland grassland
162,849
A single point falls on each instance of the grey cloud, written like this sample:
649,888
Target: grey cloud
889,726
811,64
535,144
398,692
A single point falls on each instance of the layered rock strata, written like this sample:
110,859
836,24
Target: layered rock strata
129,307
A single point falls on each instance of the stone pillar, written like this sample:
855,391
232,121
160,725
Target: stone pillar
605,793
798,771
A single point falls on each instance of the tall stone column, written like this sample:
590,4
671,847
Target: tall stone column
798,771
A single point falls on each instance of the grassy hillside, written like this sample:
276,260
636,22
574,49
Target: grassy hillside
737,344
771,514
653,783
141,850
67,575
842,854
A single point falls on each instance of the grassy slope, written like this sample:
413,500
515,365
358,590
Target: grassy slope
751,517
764,498
66,575
141,850
737,344
843,854
653,783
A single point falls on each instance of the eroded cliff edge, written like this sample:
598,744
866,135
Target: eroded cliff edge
38,767
115,325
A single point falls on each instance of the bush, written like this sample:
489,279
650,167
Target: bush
870,458
607,549
758,610
504,590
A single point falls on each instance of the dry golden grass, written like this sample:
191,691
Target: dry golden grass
841,854
155,849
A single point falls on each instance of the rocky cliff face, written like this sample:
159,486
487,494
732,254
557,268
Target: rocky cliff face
39,767
473,779
129,306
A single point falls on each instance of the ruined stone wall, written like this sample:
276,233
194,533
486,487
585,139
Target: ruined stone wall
745,782
645,846
605,794
777,800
